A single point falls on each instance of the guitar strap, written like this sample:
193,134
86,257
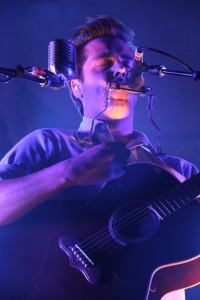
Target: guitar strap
139,147
140,153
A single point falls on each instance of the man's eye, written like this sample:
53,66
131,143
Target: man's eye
104,64
128,66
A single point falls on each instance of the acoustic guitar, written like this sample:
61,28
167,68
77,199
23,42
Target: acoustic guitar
137,240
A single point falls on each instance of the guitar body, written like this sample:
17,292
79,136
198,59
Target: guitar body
35,258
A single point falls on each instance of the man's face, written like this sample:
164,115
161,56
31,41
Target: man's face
104,58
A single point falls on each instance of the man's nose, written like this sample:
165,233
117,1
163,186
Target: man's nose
119,67
119,77
120,71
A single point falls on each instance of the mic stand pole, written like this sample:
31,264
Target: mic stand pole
42,76
19,72
195,74
162,71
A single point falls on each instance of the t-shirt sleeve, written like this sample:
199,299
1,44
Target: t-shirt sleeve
184,167
29,155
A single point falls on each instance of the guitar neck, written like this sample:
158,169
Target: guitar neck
172,200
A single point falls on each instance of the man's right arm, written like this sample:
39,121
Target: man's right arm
97,165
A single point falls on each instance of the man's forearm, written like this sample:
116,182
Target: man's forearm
20,195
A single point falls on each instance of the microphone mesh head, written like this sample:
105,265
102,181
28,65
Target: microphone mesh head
62,58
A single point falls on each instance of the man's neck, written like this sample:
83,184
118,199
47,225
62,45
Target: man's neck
122,130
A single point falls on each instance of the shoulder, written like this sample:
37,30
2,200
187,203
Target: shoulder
41,135
184,167
37,150
40,141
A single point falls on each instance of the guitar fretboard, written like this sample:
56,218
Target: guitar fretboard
177,197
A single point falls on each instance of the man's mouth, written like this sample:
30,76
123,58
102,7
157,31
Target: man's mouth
118,95
119,85
118,101
122,87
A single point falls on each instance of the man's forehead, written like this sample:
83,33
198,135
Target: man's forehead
105,46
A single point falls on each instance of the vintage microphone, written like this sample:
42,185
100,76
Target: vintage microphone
61,67
62,58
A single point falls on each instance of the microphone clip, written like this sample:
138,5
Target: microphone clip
42,76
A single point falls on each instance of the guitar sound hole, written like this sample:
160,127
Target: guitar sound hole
128,225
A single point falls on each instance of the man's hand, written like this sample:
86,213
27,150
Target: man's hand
95,166
98,164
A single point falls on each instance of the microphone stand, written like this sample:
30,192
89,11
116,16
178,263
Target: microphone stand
42,76
47,78
160,70
19,72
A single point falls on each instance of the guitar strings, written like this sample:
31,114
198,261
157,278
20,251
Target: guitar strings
137,215
110,239
103,234
183,201
141,214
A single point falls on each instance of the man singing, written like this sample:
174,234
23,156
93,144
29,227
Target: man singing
52,180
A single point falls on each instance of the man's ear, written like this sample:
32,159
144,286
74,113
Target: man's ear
75,86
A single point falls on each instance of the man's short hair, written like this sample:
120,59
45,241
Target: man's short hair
101,26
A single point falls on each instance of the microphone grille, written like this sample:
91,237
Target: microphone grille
62,58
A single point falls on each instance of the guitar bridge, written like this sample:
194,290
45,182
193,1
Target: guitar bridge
79,259
81,256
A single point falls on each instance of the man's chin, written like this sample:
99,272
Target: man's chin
118,112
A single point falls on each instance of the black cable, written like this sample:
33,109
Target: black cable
168,55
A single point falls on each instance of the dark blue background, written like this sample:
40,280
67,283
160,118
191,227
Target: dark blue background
27,27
